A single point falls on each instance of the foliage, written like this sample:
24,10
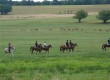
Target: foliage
104,15
5,8
81,14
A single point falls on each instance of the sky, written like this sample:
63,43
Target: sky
33,0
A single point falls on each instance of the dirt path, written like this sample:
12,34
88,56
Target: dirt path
37,16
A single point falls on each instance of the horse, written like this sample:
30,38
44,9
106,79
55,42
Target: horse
63,47
104,46
6,50
33,48
46,48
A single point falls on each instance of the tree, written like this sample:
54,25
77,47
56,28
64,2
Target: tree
5,8
104,15
3,1
80,15
55,2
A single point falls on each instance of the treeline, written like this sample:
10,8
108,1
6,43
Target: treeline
55,2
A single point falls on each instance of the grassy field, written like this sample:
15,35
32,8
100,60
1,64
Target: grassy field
87,62
20,10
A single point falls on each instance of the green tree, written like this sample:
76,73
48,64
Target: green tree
5,8
81,14
104,15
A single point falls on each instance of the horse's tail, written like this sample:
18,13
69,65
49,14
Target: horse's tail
60,48
6,50
102,46
30,49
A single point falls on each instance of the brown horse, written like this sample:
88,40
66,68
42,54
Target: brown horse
33,48
104,46
63,47
46,48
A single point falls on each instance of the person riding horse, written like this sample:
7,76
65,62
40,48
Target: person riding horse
67,43
10,47
108,41
36,44
104,46
45,45
70,44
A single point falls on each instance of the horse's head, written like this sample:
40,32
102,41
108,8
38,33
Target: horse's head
13,47
40,45
50,46
74,44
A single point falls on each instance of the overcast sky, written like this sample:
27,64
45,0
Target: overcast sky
33,0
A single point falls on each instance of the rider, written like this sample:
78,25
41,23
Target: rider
70,43
45,45
36,44
108,41
67,43
9,47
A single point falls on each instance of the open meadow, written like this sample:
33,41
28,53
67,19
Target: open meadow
87,62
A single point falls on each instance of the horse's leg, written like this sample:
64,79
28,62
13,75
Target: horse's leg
66,49
36,51
72,49
63,50
12,53
45,51
32,51
39,51
5,52
105,48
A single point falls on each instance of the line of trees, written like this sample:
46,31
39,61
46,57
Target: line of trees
56,2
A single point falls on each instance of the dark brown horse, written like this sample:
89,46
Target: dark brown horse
104,46
46,48
63,47
33,48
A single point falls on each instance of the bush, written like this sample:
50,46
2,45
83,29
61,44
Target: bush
5,8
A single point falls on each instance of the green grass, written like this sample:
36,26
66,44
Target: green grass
87,62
